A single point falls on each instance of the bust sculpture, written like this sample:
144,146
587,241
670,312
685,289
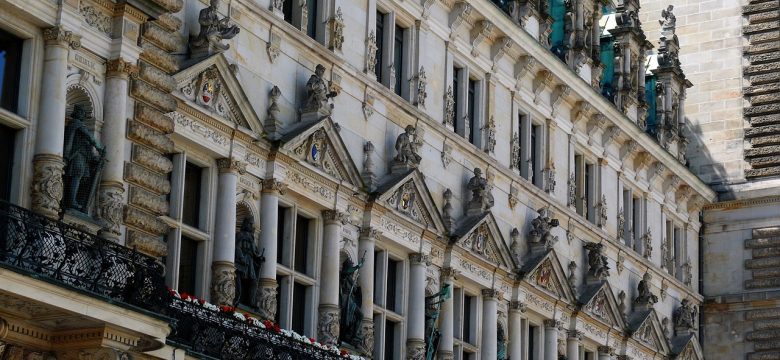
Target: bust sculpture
84,159
318,92
406,148
213,29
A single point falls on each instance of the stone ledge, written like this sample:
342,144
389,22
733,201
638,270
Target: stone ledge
760,27
770,171
157,77
146,244
151,159
762,109
763,37
761,335
161,37
154,118
762,314
148,136
763,151
763,141
761,89
151,95
766,325
760,7
766,273
147,179
760,48
767,345
766,119
146,200
764,98
760,162
766,252
763,17
763,130
762,283
762,263
763,242
772,355
761,68
149,223
767,232
158,57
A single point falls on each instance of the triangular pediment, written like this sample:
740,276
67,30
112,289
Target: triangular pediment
544,272
408,195
211,87
481,236
319,144
687,347
599,302
646,329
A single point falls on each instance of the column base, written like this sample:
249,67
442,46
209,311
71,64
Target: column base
223,283
328,324
47,185
415,349
366,334
266,298
110,210
444,355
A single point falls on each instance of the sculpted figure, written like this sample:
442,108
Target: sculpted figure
350,299
598,268
84,158
406,148
248,260
318,92
213,29
541,228
685,315
668,21
480,192
644,295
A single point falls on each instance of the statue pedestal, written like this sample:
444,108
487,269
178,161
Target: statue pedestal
398,167
81,221
202,52
307,116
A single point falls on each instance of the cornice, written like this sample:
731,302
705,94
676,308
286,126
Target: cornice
745,203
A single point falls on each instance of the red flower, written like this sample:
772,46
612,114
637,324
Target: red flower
344,353
312,340
277,328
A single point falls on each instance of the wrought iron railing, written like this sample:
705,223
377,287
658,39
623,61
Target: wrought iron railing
56,252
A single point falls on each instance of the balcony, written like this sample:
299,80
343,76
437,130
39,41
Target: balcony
62,255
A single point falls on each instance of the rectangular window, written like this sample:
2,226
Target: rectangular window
676,247
299,308
472,111
590,195
579,185
636,226
390,340
10,70
457,75
535,157
281,232
533,342
469,319
191,199
628,214
311,18
188,265
589,355
7,141
287,10
301,262
380,42
398,59
391,289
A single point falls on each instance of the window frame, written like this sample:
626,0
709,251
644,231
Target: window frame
381,313
469,103
466,345
386,52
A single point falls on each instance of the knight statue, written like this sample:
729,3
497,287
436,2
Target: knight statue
84,160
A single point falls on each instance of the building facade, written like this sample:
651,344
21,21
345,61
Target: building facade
391,179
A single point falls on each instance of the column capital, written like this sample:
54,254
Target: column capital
448,274
491,294
57,35
418,258
369,233
233,166
574,335
120,68
273,186
552,323
603,349
333,217
517,306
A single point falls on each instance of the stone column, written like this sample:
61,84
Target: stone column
112,190
328,326
48,164
551,339
415,333
447,317
605,353
516,335
490,323
269,220
573,345
223,269
366,244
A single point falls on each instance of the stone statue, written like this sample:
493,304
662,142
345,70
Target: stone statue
645,296
515,247
668,21
540,234
598,267
350,300
406,148
84,159
213,29
685,316
318,93
248,260
481,198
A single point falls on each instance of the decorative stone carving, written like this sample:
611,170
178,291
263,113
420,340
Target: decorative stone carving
328,325
621,225
415,350
620,263
570,232
110,209
668,21
687,273
664,289
447,209
318,93
47,186
516,246
549,179
120,67
248,260
490,142
540,236
685,317
371,49
449,107
84,160
603,212
368,104
572,278
213,30
645,297
58,35
277,6
336,28
647,242
572,191
406,150
274,45
514,154
369,178
598,265
366,336
446,154
422,83
272,123
481,197
223,283
514,198
266,299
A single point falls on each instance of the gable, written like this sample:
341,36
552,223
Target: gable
319,144
409,195
687,348
211,87
648,331
480,236
545,273
599,302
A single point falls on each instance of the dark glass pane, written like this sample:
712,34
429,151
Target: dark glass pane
398,59
587,199
301,244
532,335
10,70
278,299
390,293
607,55
191,197
456,95
311,20
389,340
377,297
380,42
558,13
521,125
299,308
7,140
467,320
287,10
534,164
188,264
280,234
650,97
470,103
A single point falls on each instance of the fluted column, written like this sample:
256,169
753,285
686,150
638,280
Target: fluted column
447,317
366,244
605,353
415,334
328,326
223,268
48,164
551,339
269,219
490,323
516,335
573,345
112,190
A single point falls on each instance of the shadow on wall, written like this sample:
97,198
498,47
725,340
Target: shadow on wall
701,162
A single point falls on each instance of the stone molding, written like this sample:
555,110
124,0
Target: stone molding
58,36
120,68
334,217
417,259
231,166
273,186
328,324
223,283
47,185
